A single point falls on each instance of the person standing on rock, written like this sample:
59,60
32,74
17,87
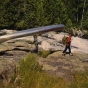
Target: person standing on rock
35,50
68,45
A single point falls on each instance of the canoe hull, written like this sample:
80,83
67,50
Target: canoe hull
32,31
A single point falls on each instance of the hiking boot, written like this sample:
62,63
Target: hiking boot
71,54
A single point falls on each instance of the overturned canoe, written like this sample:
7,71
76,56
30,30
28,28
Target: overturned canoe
32,31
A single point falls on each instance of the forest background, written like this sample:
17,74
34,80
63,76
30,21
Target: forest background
23,14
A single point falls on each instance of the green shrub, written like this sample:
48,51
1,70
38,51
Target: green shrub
69,23
85,36
21,25
32,75
44,54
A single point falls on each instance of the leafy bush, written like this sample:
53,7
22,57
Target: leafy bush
69,23
85,35
21,25
44,54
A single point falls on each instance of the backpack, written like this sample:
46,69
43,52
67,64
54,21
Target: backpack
64,40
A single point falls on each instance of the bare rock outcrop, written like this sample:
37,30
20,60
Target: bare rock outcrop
64,66
12,51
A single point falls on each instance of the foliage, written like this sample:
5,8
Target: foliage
80,80
85,35
31,75
44,54
22,14
69,23
21,25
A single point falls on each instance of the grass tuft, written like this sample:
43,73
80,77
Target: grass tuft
31,75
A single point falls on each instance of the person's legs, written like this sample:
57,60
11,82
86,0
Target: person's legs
35,50
36,47
70,51
64,52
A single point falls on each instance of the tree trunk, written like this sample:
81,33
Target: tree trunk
83,12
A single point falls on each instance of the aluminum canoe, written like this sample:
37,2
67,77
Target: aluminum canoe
32,31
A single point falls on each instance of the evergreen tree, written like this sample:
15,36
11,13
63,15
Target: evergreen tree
22,14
